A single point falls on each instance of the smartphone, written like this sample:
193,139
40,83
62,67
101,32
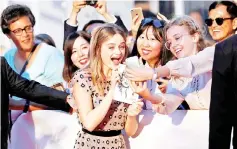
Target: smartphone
91,2
137,11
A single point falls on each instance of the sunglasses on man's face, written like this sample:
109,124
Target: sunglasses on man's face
155,22
219,21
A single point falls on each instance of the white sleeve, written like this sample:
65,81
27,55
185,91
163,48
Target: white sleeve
193,65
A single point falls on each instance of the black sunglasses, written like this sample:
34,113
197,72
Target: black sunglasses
157,23
219,21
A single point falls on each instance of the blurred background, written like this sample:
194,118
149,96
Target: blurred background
50,14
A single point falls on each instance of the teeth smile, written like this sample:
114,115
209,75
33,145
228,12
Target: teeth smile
178,50
146,51
83,61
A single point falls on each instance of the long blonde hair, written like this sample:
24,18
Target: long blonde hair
192,27
99,36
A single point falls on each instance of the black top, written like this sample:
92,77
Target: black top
12,83
223,107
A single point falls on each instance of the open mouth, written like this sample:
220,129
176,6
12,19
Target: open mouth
116,60
83,61
177,51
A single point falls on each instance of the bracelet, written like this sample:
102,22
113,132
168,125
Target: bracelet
26,107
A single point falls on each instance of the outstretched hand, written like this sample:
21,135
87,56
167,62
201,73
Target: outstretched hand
162,17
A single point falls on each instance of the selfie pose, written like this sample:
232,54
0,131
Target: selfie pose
195,91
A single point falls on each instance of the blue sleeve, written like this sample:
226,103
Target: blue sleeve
54,68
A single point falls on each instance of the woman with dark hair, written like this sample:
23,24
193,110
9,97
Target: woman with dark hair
76,51
152,31
183,38
149,46
46,39
222,21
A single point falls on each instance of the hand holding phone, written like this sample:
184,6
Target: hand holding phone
137,17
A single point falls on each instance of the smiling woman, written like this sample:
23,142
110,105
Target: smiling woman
196,90
149,46
102,117
76,50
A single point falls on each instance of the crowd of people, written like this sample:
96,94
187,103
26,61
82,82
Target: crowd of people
179,68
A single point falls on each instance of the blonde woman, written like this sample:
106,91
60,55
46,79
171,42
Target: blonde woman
103,118
184,38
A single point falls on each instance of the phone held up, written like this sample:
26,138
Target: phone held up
91,2
137,12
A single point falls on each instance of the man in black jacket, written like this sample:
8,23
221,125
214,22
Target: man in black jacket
12,83
223,107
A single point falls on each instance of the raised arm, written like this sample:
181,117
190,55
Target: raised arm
193,65
101,8
71,24
33,90
162,103
184,67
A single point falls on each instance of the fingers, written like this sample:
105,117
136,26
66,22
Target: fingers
162,17
135,19
79,3
132,87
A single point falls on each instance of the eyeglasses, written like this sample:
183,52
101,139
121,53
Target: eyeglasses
219,21
19,31
157,23
178,40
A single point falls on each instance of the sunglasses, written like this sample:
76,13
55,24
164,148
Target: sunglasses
219,21
157,23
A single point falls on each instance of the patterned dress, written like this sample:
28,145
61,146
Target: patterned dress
114,120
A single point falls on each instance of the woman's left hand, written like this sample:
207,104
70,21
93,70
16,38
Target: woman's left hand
140,88
135,108
140,73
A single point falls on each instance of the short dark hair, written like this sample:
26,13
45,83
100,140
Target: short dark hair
12,13
69,67
231,7
46,39
92,22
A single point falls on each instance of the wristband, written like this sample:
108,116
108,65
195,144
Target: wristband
26,107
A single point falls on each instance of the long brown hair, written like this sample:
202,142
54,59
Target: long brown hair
99,36
69,68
